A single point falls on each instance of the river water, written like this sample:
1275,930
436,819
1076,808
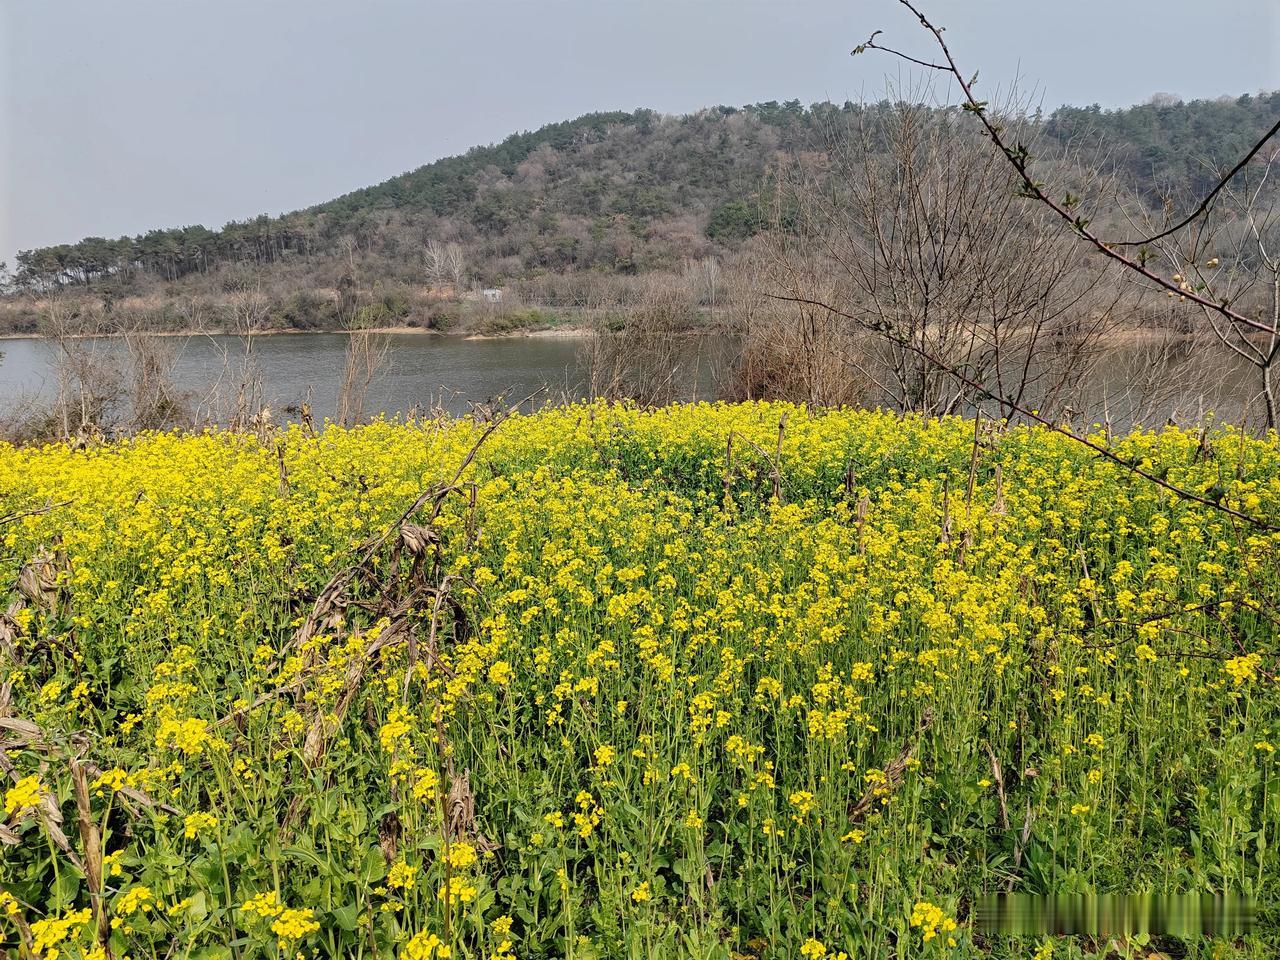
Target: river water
427,373
420,371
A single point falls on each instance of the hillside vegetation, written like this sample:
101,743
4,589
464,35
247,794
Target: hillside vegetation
605,195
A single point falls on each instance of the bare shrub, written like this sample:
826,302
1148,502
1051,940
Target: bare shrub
111,376
366,355
646,354
88,378
156,401
366,351
791,350
249,312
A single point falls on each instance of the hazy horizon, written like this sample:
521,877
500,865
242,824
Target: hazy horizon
120,118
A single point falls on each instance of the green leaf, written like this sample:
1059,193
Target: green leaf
346,917
374,867
198,909
302,853
66,887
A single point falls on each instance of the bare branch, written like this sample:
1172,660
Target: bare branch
1180,492
1020,159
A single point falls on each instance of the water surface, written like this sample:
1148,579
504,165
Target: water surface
1146,384
421,371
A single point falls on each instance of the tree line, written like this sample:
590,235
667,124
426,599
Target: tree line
615,192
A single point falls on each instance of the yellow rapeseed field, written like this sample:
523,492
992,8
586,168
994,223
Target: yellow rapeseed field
669,683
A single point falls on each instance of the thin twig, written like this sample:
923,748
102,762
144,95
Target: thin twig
1120,461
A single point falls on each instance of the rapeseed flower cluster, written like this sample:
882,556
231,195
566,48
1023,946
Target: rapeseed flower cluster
931,921
23,795
620,678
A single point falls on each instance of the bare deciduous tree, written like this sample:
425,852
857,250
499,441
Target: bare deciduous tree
703,278
912,225
1239,325
444,264
366,353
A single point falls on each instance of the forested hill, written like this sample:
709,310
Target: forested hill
615,192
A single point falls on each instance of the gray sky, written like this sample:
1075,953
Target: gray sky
117,116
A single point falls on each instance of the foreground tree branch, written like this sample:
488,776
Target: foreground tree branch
1019,157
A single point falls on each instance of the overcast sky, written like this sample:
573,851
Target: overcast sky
117,116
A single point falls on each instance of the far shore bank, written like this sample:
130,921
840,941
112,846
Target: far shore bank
1117,337
541,333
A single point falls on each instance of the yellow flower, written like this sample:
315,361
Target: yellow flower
424,946
198,823
134,899
23,795
190,736
114,779
402,875
425,785
48,933
802,800
1243,669
458,890
294,925
8,904
398,726
500,673
264,904
462,855
501,927
621,621
931,920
